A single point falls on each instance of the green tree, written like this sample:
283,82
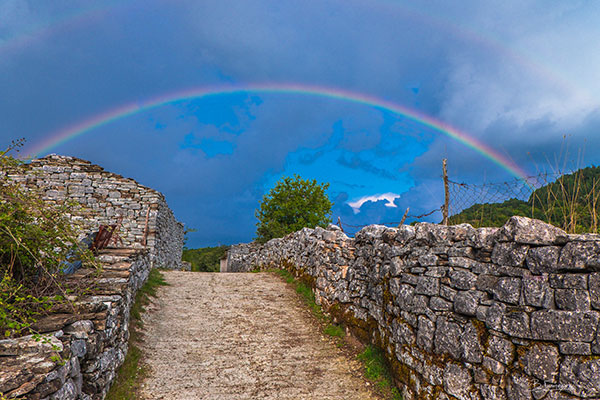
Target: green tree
294,203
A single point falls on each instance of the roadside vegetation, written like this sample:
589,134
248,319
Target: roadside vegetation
36,237
205,259
375,368
131,373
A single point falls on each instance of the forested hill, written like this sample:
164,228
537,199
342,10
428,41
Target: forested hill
571,202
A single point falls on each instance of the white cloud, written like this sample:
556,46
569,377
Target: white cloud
389,197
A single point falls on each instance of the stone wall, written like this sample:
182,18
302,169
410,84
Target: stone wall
462,313
82,343
104,196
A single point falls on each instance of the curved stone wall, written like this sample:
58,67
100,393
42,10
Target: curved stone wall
462,313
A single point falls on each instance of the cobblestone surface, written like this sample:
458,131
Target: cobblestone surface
240,336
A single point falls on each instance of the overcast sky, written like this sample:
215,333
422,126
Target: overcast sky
515,75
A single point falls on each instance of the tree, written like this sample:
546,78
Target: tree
294,203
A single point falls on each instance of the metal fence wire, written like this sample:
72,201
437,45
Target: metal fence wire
465,195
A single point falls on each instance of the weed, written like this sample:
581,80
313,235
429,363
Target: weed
378,371
130,372
334,330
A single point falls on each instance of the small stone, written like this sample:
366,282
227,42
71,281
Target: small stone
457,381
516,323
466,302
508,290
462,279
509,254
518,388
568,281
594,284
543,259
425,333
501,349
580,256
439,304
572,299
537,291
428,285
575,348
541,361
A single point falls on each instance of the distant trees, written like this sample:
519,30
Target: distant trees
294,203
205,259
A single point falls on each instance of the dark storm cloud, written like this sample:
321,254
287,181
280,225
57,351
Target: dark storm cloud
515,75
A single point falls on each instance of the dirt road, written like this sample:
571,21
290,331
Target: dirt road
240,336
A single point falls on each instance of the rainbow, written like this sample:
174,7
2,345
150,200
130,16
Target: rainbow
127,110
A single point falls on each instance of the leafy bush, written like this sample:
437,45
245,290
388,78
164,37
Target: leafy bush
35,237
294,203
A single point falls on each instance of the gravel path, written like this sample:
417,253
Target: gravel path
240,336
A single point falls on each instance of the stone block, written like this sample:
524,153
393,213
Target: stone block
531,231
543,259
568,281
594,285
462,279
572,299
500,349
429,286
471,348
486,283
447,292
447,337
580,377
428,260
516,323
541,360
466,302
457,381
507,290
519,387
425,333
576,256
439,304
494,316
578,326
537,292
509,254
575,348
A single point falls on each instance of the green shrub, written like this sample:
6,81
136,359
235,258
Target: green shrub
35,237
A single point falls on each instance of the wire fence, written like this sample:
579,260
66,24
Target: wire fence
464,195
461,200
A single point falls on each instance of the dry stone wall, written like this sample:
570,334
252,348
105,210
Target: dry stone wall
104,196
462,313
82,343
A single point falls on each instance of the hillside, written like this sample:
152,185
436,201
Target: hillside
571,202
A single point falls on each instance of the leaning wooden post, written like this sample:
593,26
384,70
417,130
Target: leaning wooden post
446,192
404,217
340,224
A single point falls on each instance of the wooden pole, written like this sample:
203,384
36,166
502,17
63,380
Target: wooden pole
404,217
446,192
340,224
